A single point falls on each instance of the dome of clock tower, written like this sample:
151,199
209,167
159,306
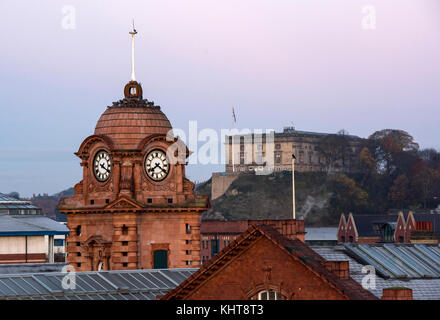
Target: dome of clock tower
130,120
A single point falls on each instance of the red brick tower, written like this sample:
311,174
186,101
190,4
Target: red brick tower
134,208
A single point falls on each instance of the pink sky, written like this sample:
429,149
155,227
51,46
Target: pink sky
276,62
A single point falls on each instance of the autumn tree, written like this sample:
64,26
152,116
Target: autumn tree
334,148
347,196
390,146
399,192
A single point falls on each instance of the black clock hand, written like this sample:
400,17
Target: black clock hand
102,166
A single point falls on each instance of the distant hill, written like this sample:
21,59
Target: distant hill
270,197
49,203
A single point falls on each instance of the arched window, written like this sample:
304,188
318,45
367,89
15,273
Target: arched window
269,295
78,230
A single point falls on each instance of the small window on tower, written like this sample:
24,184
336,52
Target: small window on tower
188,228
124,254
149,200
107,201
124,230
125,264
125,243
92,201
170,200
133,90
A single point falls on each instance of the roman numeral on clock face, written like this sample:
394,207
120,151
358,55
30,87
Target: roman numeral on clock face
156,165
102,166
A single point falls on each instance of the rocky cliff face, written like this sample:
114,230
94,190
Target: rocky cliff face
270,197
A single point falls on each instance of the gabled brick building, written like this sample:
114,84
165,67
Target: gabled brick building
403,227
263,264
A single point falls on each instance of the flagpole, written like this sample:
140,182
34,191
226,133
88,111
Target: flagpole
293,186
232,140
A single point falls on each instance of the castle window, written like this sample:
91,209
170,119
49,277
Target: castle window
125,243
78,244
278,146
92,201
269,295
107,201
149,200
188,228
124,230
188,252
78,254
78,230
78,264
124,254
170,200
188,263
187,241
125,264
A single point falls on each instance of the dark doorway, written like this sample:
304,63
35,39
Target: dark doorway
160,259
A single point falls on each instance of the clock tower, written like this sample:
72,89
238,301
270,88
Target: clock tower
134,208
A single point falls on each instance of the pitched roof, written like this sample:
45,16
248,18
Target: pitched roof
321,234
21,225
93,285
364,223
423,289
295,248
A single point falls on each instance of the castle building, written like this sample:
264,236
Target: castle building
314,151
134,207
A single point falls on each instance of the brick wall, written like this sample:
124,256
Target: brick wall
265,266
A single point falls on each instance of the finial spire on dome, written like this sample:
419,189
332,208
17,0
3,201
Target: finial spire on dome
132,52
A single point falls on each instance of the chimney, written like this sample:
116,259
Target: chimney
397,293
340,268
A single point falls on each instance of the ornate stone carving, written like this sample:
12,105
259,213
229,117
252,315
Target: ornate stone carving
78,188
188,186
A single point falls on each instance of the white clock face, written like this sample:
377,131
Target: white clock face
102,166
156,165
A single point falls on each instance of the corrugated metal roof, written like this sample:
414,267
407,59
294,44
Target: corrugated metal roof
16,225
8,202
411,261
423,289
93,285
